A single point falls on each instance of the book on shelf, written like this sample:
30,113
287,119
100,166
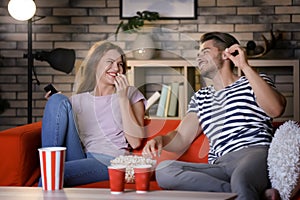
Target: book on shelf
152,100
167,101
152,110
181,100
163,101
173,106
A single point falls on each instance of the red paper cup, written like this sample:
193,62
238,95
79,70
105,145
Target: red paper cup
52,161
142,175
117,178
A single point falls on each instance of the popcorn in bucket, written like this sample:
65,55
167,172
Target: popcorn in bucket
130,161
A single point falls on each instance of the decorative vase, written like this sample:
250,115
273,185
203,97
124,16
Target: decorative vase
143,47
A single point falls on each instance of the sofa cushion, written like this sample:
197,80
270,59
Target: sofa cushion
197,152
19,155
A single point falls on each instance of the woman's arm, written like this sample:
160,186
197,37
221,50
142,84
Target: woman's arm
132,115
133,121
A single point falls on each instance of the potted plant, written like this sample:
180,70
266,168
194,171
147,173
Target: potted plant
134,23
143,46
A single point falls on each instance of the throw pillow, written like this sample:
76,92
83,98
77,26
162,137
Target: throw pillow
284,159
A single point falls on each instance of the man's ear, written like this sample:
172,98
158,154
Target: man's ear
224,56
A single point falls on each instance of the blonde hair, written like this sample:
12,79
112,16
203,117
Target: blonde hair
86,75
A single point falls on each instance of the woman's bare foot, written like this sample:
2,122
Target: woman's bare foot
272,194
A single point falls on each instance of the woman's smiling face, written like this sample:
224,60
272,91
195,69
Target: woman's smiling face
109,66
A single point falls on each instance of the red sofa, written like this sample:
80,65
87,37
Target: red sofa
20,162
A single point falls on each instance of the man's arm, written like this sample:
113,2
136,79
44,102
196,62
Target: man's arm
269,99
177,140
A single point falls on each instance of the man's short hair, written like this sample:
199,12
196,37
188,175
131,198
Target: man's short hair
222,40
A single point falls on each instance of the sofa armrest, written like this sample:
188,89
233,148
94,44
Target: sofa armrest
19,155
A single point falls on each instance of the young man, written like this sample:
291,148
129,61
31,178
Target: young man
235,114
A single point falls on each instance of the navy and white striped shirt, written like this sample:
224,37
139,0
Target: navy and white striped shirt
231,118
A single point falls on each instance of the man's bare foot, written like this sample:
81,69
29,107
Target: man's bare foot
272,194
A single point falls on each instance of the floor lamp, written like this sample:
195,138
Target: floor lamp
59,59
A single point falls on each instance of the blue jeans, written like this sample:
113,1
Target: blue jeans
59,129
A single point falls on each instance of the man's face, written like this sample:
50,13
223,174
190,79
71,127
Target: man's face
209,59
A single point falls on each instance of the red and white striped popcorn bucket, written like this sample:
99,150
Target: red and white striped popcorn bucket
52,161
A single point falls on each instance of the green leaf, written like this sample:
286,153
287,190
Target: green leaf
136,22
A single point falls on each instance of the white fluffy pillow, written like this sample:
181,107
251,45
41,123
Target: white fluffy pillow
284,159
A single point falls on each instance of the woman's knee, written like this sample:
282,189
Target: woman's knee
57,98
57,102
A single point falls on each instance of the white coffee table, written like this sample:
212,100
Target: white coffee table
36,193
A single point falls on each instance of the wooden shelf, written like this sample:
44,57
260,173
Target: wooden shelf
164,71
143,72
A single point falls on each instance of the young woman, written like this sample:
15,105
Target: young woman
104,119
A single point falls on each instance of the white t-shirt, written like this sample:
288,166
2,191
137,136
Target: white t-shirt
99,121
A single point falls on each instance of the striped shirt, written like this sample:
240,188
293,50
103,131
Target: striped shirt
231,118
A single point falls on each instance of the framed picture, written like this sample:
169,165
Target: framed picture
167,9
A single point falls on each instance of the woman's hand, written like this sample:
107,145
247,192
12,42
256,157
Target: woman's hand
48,94
153,147
121,84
